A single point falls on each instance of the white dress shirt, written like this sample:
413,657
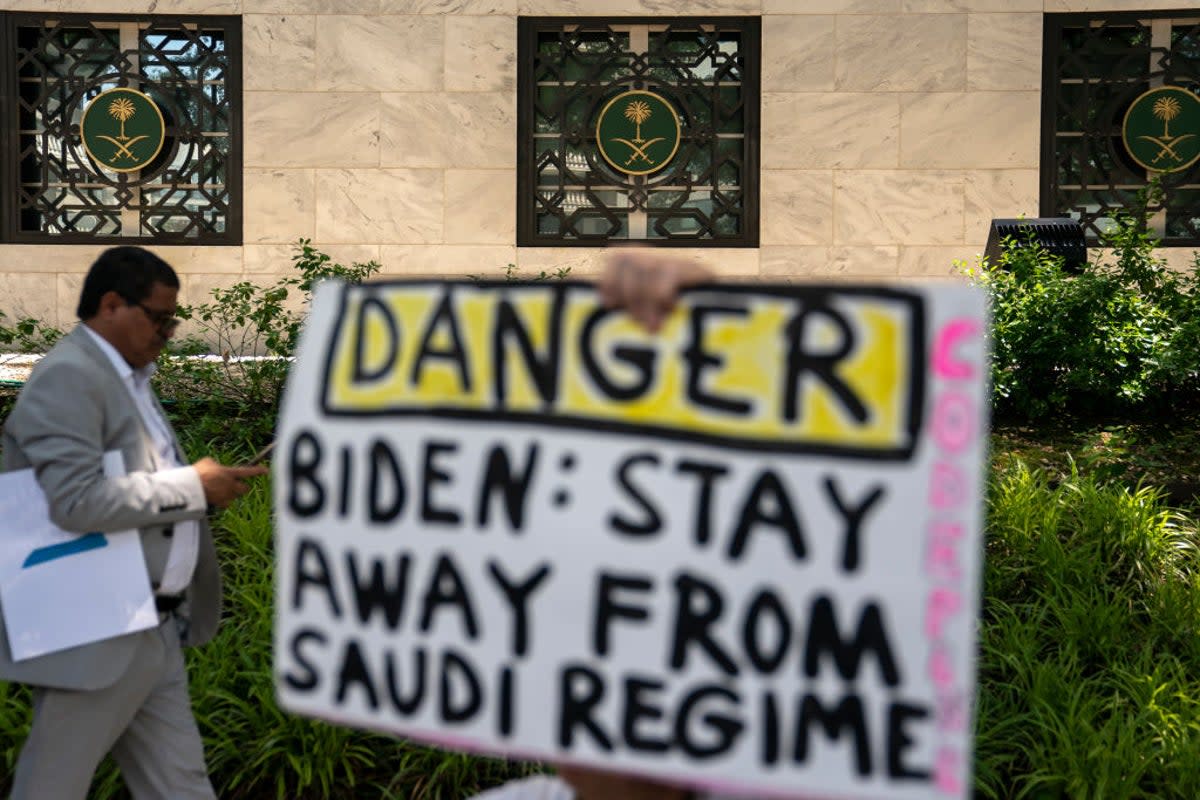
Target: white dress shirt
185,542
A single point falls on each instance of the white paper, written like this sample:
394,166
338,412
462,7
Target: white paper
60,589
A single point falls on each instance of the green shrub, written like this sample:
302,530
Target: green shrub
27,335
1089,677
223,394
1123,336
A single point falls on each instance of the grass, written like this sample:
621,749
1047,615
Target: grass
1089,682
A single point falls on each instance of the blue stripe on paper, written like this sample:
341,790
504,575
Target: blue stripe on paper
89,541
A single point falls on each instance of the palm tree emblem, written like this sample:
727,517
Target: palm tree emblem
121,109
637,112
1166,109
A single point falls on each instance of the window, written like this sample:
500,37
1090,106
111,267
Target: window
1119,106
638,129
124,129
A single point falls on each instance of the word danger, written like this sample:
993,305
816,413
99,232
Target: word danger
796,370
414,596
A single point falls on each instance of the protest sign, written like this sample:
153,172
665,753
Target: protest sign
742,553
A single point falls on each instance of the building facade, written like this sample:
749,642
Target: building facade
856,139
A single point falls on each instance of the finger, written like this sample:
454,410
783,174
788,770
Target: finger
249,471
644,299
609,281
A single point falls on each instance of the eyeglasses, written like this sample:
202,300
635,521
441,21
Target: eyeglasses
165,321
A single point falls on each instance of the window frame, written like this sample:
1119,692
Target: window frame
10,232
528,28
1053,25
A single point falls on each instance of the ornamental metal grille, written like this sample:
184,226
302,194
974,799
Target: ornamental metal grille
57,190
1095,67
570,191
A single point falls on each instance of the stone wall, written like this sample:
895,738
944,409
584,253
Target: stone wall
892,132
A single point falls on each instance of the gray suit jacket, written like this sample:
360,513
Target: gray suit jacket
73,409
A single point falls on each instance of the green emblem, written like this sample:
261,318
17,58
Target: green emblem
1162,129
638,132
122,130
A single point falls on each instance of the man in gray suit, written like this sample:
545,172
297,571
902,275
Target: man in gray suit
90,395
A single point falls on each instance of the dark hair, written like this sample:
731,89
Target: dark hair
129,271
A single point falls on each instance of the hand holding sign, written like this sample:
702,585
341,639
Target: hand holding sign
647,284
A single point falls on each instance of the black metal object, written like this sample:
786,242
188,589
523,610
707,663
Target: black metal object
51,191
1061,236
1094,66
569,67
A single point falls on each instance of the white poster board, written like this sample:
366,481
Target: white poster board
741,555
60,589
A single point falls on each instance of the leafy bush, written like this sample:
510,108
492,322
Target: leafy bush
241,348
27,335
1122,336
1089,678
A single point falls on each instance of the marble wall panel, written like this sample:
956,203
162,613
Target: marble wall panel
508,7
481,54
310,129
907,53
197,287
280,205
480,206
189,259
798,53
311,6
32,294
468,130
385,206
583,8
952,6
269,261
937,262
821,263
127,6
1061,6
731,262
1004,51
581,261
389,53
796,206
845,130
968,130
1004,194
898,207
48,258
278,52
66,299
450,261
791,263
830,6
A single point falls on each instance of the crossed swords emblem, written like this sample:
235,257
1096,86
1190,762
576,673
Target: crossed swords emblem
638,146
123,147
1167,145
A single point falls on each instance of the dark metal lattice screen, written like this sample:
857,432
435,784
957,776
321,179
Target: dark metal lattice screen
569,70
56,191
1094,67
